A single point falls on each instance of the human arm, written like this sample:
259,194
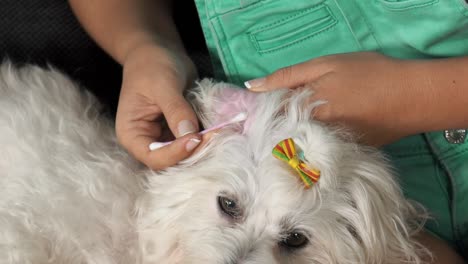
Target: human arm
141,35
381,98
441,252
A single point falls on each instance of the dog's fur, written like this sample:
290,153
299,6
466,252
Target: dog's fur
71,195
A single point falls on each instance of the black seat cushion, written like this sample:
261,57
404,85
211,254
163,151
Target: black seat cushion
46,32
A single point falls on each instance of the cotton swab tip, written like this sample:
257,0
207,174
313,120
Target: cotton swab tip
239,117
236,119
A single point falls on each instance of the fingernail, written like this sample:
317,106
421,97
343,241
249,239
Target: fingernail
255,83
185,127
192,144
157,145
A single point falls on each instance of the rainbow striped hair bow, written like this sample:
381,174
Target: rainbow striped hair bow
286,151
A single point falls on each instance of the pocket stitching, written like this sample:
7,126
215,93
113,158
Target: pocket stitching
293,42
256,43
402,6
286,19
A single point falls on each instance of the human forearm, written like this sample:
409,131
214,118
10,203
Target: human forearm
120,26
440,251
438,95
141,35
381,99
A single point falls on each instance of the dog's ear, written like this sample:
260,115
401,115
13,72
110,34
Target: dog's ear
216,103
380,218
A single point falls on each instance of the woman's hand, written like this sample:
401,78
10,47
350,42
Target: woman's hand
367,92
141,35
151,95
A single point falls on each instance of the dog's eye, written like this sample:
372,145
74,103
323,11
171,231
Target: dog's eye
295,240
228,206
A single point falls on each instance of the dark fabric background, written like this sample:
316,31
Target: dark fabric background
45,32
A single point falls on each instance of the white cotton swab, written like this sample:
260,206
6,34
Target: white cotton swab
238,118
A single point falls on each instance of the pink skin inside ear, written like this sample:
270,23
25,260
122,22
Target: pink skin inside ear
228,105
232,101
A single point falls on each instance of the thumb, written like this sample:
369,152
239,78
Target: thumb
179,115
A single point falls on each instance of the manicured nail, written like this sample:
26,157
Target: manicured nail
185,127
158,145
255,83
192,144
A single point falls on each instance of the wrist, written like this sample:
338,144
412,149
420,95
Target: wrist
422,111
397,106
173,59
148,68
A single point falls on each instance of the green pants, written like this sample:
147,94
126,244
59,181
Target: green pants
251,38
434,172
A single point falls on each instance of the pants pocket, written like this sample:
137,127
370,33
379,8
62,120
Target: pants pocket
262,37
414,29
293,29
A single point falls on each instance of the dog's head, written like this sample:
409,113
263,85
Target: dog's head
233,202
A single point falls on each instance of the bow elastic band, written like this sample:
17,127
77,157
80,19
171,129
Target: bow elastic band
286,151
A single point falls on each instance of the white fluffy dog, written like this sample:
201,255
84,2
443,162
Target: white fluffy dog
70,194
